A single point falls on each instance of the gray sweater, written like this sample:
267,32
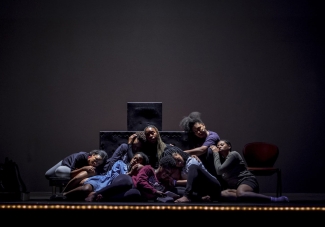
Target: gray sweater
232,168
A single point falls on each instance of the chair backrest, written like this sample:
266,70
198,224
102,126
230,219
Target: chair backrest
260,154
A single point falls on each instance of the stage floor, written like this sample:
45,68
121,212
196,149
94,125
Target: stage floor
304,208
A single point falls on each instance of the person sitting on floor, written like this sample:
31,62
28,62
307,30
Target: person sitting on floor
241,184
154,146
200,184
200,139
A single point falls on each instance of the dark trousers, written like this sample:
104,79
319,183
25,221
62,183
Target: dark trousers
121,189
201,183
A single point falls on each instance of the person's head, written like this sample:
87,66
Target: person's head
153,139
167,165
97,157
193,124
138,141
151,133
139,158
224,146
178,154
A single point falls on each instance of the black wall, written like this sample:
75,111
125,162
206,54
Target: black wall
254,69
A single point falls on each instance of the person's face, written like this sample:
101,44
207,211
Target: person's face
151,135
136,145
137,159
179,160
222,146
163,173
95,160
199,130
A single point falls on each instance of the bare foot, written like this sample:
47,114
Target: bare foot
99,197
183,199
90,197
206,198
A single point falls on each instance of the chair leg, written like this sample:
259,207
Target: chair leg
53,190
279,184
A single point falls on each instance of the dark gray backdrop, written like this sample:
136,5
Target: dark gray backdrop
254,69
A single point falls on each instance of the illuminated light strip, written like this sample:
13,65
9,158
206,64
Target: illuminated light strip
158,207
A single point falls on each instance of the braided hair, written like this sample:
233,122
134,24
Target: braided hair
188,122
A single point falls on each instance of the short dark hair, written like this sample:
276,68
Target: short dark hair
167,162
174,149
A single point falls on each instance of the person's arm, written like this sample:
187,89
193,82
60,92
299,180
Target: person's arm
143,176
230,163
211,139
180,183
197,151
118,154
135,169
90,170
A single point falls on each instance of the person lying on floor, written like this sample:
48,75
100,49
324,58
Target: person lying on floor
98,182
148,184
241,184
193,180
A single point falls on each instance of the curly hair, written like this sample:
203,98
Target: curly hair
174,149
188,122
167,162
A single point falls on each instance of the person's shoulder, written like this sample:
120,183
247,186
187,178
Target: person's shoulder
235,153
76,154
213,134
124,145
146,169
168,146
83,153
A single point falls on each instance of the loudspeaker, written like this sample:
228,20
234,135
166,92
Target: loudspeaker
142,114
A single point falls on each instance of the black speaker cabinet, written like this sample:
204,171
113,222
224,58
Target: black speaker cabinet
142,114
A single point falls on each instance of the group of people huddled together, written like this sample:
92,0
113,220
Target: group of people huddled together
145,168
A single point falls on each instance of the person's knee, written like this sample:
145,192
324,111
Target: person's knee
87,188
63,171
124,179
194,168
240,194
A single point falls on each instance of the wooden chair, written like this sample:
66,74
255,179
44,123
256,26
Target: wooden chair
260,158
